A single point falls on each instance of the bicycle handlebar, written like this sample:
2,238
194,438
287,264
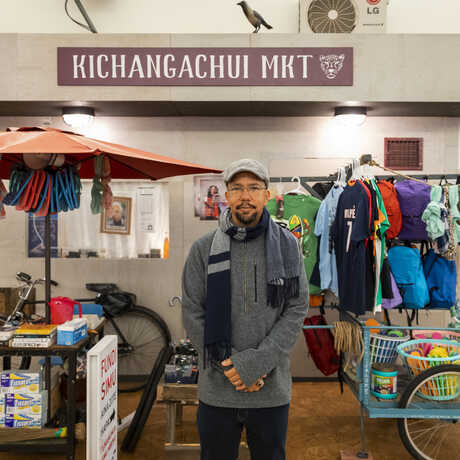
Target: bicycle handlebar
26,278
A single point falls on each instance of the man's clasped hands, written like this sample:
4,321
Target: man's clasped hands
236,381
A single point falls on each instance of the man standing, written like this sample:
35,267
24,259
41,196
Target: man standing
245,296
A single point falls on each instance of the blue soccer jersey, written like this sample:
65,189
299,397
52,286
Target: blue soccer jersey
350,230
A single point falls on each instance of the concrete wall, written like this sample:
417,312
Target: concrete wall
281,143
206,16
400,68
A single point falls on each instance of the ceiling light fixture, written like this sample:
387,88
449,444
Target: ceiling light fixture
78,117
351,116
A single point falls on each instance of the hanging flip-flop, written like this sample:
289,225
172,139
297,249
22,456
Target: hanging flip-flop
21,204
32,191
41,183
43,211
57,199
43,193
69,189
52,209
11,199
62,200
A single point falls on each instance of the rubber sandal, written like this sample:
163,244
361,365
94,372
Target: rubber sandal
11,199
22,202
43,194
43,211
38,191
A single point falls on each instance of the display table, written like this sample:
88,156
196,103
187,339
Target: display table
59,445
175,396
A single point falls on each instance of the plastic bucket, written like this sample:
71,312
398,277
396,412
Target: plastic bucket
384,381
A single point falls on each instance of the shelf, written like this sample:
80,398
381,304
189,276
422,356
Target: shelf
37,445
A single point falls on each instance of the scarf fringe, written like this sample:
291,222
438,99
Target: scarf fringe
280,290
216,352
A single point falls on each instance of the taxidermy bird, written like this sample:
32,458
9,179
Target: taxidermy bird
254,17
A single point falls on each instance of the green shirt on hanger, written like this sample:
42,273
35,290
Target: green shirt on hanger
299,216
381,250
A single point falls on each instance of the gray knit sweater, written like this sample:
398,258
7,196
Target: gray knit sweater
262,336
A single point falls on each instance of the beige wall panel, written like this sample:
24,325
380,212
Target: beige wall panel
8,54
387,68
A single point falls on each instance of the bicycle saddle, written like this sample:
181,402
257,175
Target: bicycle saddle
23,276
101,288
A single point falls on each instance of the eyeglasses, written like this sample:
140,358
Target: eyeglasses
253,191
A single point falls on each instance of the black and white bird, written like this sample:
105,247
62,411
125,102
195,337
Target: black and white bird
254,17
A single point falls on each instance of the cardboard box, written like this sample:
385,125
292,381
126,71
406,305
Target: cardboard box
2,410
22,382
25,409
71,332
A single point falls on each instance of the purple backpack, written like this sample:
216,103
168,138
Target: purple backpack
413,198
397,300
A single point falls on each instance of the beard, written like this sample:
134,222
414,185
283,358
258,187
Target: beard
246,219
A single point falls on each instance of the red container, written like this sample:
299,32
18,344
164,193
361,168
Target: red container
62,309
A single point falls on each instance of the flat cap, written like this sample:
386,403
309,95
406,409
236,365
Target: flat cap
246,165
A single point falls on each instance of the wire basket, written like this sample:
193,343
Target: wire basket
383,348
440,388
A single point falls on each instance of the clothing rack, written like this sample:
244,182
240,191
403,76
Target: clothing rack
305,179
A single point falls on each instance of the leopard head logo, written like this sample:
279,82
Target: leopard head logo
331,64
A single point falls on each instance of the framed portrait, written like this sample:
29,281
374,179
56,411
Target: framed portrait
117,219
209,199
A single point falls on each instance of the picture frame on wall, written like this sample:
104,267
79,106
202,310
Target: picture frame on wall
117,219
209,200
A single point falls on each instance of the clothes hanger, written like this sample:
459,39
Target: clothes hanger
341,178
298,190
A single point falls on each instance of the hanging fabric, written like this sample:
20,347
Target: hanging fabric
393,210
3,192
413,199
107,195
98,188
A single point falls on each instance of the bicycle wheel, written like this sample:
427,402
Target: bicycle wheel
432,438
145,334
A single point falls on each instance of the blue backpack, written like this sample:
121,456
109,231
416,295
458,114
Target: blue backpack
406,266
441,278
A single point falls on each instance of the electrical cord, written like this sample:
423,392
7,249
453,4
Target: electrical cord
74,20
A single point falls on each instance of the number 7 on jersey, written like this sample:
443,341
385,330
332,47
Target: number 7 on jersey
350,227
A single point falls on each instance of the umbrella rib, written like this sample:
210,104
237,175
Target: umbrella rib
132,168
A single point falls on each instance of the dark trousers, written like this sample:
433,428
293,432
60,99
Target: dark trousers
220,432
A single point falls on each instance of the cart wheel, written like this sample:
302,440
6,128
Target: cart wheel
432,438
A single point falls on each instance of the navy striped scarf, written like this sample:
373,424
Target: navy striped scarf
283,261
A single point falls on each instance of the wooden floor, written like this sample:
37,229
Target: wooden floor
322,423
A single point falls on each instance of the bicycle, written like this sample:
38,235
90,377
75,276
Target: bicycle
142,333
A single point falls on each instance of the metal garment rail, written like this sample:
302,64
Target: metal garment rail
304,180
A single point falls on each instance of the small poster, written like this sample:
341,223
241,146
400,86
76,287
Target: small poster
36,235
146,199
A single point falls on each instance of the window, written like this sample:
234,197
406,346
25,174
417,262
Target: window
404,153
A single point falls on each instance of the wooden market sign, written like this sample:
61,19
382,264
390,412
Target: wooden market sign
205,66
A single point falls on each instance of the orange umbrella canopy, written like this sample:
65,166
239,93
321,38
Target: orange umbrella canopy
125,162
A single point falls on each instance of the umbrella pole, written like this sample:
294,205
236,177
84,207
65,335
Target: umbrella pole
47,266
47,304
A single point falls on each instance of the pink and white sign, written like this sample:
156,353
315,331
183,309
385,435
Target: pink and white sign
205,66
